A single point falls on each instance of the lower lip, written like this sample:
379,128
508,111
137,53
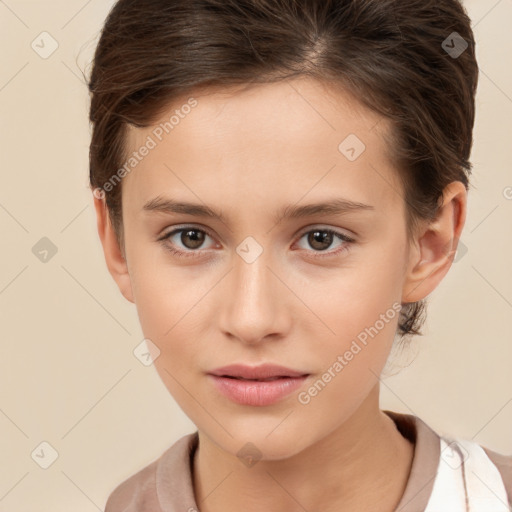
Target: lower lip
259,393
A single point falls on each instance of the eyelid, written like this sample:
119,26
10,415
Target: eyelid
183,227
322,227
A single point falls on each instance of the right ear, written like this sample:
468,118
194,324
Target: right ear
116,262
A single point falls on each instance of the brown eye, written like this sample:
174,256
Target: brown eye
320,239
186,242
192,238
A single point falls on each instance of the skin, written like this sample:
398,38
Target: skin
248,153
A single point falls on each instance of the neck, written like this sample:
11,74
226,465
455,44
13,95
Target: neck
362,465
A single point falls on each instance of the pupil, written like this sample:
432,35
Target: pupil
322,237
195,235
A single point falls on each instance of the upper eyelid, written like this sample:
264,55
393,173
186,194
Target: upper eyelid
178,229
324,228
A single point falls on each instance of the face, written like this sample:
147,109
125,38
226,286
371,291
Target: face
259,284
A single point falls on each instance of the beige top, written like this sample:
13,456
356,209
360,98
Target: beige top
166,485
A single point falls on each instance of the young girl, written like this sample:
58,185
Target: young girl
279,185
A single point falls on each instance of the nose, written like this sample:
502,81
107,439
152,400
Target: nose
255,305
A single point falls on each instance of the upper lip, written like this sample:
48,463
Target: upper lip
263,371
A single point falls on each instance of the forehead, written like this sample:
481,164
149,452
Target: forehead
287,134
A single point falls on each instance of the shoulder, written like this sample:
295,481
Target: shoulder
138,492
487,472
160,484
504,465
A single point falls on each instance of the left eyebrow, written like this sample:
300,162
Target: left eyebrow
337,206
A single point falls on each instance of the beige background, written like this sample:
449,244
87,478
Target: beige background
68,373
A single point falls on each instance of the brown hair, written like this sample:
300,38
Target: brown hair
397,58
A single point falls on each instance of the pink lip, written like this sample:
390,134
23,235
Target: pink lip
263,371
256,392
229,380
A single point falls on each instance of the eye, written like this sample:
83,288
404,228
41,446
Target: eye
190,237
320,239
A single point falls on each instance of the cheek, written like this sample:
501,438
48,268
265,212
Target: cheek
169,311
166,298
169,314
164,292
362,313
360,306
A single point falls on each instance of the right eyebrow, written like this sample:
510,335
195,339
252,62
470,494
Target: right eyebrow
168,205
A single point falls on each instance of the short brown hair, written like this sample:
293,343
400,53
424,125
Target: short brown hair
393,56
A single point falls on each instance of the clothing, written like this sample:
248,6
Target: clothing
447,475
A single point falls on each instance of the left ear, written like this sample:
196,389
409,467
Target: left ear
433,249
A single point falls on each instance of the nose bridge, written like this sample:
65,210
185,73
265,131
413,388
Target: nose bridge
253,279
253,307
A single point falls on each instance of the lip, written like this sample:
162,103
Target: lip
256,392
264,371
239,383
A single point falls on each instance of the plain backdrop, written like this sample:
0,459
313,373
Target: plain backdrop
68,374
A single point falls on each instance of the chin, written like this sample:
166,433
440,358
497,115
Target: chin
251,443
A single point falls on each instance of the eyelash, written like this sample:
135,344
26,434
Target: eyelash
197,253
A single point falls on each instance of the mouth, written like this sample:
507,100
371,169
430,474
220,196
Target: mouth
257,386
269,379
265,372
256,392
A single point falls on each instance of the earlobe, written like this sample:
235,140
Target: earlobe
116,262
432,253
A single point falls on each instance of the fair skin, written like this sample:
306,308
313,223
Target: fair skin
248,154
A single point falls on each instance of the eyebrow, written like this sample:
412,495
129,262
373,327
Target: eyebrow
336,206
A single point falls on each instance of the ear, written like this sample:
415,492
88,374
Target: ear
434,247
116,262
